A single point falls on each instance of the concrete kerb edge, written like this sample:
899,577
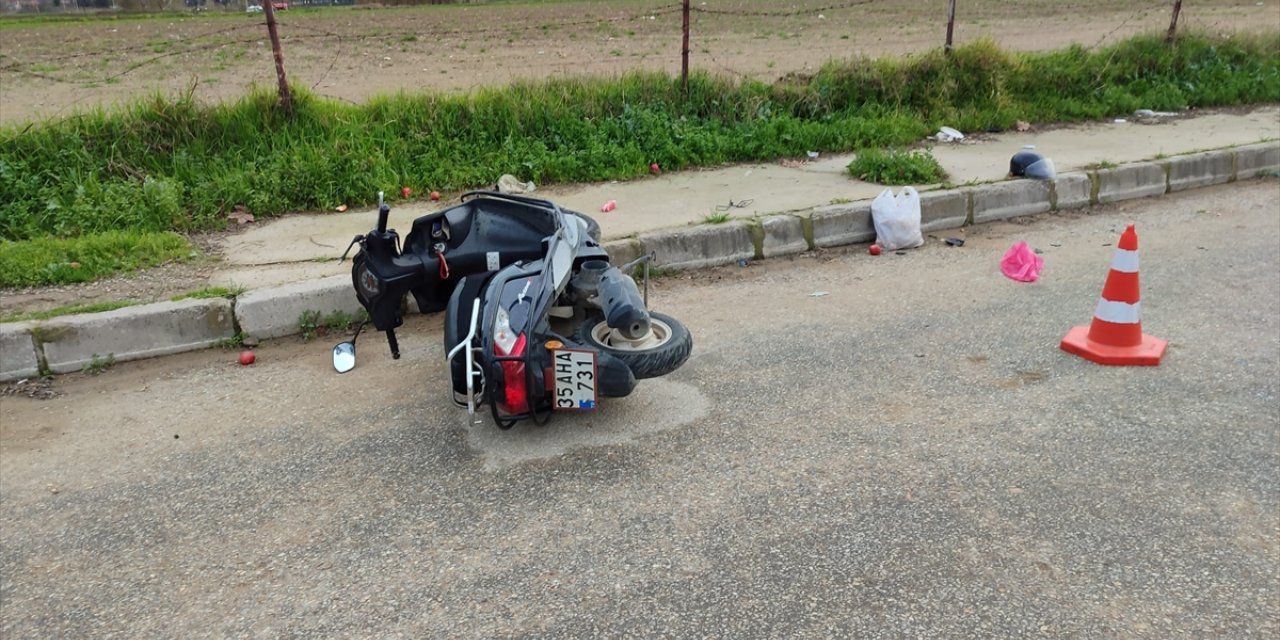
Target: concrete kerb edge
20,354
699,246
1255,160
745,238
277,311
71,343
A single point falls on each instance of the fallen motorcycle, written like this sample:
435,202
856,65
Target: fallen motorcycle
536,318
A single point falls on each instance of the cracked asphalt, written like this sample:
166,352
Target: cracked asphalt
908,455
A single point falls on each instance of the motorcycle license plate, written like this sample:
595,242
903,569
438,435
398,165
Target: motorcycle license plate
575,379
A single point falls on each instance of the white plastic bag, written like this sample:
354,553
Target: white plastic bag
897,220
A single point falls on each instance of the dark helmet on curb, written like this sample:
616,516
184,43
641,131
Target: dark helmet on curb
1031,164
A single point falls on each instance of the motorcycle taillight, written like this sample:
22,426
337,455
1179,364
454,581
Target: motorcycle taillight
515,396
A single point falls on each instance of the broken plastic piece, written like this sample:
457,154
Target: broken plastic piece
947,134
510,184
609,206
955,242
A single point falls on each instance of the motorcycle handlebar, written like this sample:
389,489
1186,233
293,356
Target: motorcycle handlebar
384,213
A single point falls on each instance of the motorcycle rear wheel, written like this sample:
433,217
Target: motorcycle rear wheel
667,346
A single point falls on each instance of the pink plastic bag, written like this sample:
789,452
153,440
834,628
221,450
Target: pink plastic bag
1021,263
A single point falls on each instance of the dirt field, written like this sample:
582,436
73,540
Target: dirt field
52,69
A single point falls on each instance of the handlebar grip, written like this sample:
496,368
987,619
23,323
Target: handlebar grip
384,212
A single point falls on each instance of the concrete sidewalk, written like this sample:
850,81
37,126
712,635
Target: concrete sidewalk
289,264
294,248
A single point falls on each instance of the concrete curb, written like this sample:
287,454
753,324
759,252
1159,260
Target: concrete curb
69,343
1005,200
1257,160
841,224
17,352
276,312
783,236
1200,170
1138,180
1072,191
706,245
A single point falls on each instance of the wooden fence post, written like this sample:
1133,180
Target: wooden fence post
1173,24
951,25
286,98
684,52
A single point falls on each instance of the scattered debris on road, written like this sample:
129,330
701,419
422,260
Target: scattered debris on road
947,134
510,184
240,215
36,389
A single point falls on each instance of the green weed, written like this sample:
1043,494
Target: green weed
716,218
313,323
308,324
92,307
229,292
99,364
234,342
896,166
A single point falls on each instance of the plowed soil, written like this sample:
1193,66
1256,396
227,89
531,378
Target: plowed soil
55,68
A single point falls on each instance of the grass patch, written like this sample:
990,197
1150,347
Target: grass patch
97,364
171,164
229,292
43,261
92,307
716,218
312,323
896,166
234,342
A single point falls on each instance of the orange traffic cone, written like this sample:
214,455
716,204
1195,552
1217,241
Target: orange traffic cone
1116,337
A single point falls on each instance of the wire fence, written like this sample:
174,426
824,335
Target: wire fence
728,34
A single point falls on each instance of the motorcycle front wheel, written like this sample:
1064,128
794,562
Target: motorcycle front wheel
662,351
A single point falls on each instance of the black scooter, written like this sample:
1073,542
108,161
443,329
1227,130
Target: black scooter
537,320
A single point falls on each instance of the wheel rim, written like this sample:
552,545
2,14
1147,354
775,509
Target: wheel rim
659,334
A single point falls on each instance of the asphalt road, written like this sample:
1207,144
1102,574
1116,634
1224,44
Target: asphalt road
909,455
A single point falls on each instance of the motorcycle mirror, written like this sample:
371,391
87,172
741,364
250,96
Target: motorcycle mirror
344,357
